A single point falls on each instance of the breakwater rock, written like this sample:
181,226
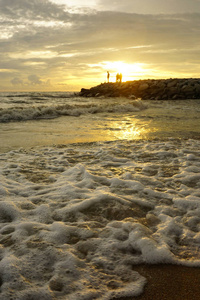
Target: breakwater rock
163,89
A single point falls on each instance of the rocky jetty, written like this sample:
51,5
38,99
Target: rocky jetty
159,89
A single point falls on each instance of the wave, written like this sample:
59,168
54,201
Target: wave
38,94
15,114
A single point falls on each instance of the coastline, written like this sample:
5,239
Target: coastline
151,89
122,181
164,281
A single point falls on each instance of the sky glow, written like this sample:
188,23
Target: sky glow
67,45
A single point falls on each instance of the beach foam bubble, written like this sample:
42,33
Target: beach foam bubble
75,220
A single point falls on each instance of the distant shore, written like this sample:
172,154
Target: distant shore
153,89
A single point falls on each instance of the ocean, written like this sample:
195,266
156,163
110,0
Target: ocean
91,188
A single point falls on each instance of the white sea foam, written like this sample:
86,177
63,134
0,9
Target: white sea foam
74,220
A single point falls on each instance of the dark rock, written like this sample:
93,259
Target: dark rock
84,92
172,83
143,87
162,89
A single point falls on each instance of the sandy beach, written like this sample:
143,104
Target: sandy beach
169,282
116,216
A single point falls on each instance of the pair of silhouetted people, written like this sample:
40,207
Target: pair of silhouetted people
119,77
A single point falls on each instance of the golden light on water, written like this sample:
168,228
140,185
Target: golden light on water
128,130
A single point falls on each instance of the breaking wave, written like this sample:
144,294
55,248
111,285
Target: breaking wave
34,112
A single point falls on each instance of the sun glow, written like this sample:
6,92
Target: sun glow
128,71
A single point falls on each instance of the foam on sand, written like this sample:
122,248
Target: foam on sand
75,220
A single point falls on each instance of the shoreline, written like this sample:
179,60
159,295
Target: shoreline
95,247
147,89
168,282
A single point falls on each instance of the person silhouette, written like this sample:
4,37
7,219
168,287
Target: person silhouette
117,77
108,76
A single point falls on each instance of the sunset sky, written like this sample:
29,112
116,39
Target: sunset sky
64,45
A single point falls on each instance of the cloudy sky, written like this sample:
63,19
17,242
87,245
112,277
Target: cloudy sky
65,45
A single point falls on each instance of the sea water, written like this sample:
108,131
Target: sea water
90,188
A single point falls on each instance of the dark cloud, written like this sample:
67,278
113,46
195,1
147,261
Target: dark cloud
34,9
35,79
17,81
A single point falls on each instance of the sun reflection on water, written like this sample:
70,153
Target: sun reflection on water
128,130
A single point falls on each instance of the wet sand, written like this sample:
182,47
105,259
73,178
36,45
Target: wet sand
169,282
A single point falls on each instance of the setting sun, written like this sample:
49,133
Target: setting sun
129,71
